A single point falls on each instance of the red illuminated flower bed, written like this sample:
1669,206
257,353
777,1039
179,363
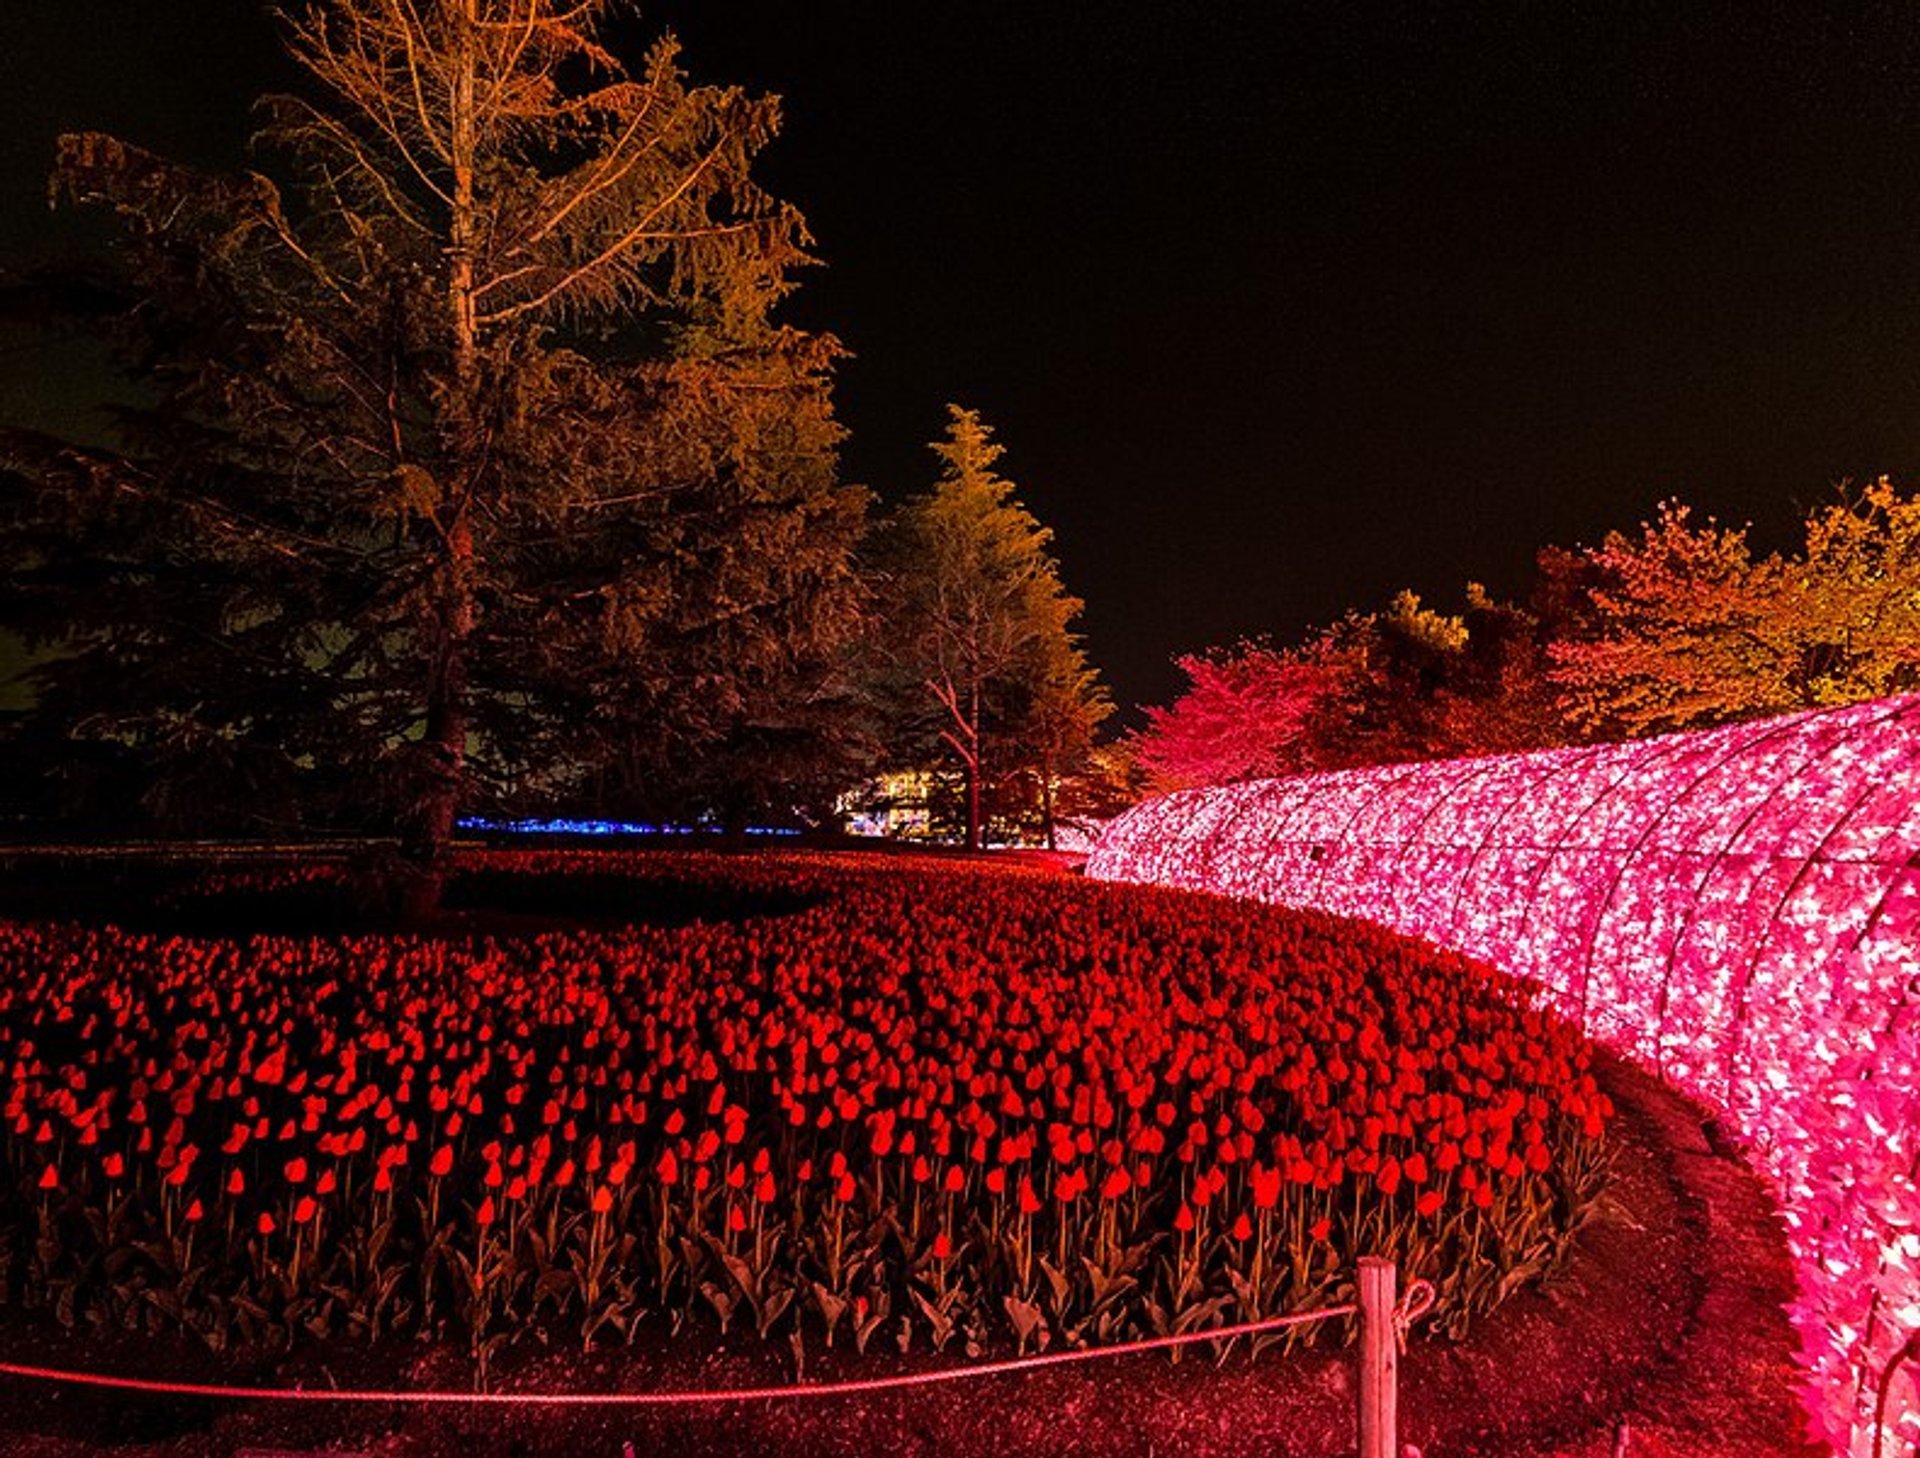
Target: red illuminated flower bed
878,1101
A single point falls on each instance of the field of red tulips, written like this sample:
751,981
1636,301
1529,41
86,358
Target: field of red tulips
910,1103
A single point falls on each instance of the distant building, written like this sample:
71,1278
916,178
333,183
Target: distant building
893,806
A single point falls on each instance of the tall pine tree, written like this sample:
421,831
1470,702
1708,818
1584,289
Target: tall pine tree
981,666
473,450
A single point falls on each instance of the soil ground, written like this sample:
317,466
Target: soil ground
1667,1319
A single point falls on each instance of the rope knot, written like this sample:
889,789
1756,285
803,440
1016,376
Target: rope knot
1416,1303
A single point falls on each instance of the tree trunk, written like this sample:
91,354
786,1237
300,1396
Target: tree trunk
445,740
964,739
973,769
1046,803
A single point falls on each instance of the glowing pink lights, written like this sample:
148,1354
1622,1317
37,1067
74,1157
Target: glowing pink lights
1739,908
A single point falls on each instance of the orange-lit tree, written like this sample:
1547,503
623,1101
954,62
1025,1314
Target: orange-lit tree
1685,627
979,663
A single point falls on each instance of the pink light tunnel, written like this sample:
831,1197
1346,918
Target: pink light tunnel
1738,909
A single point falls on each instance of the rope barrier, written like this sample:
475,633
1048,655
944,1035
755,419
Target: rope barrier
693,1396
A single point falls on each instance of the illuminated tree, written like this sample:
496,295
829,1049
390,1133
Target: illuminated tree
473,448
1684,627
1678,631
978,654
1397,663
1443,686
1248,712
1404,683
1859,598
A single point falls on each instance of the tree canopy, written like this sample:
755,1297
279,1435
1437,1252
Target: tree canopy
472,450
1401,683
1685,627
1679,626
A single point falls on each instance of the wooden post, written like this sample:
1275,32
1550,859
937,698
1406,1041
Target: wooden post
1379,1356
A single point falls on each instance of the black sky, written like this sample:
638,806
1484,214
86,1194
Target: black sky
1276,307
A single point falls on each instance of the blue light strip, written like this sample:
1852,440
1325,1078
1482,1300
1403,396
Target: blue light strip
564,826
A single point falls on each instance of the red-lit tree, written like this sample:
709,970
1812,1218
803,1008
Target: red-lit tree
1402,683
1248,712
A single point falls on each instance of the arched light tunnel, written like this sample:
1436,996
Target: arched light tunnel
1738,909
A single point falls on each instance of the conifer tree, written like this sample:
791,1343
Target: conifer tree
473,447
978,649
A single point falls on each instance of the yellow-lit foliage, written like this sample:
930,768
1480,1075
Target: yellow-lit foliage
1688,628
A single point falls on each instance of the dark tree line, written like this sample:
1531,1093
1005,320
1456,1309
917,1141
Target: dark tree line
473,469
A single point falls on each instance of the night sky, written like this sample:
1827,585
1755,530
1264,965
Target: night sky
1277,308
